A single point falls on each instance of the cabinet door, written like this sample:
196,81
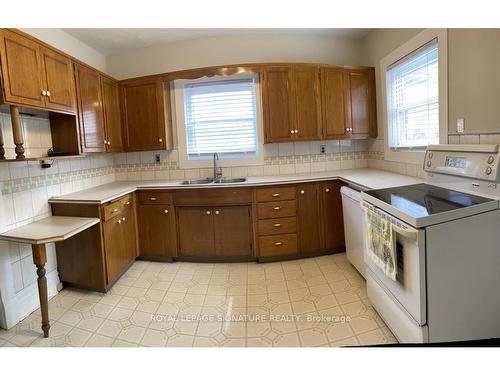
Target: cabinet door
333,102
111,113
331,212
232,226
144,115
196,231
156,226
21,70
90,109
360,103
277,104
114,247
307,103
308,218
58,81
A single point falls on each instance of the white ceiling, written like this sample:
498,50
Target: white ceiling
110,41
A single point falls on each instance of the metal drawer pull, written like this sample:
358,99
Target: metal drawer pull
208,212
302,192
276,194
279,243
115,210
277,225
277,208
153,199
166,211
217,212
126,204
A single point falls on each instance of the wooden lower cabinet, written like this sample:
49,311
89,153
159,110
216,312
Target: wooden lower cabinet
119,243
214,231
332,216
309,217
233,231
156,230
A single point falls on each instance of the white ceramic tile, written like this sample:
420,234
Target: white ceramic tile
18,169
285,149
23,206
301,148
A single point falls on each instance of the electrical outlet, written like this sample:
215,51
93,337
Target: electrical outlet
322,149
460,125
157,158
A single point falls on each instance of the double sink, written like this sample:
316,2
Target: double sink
205,181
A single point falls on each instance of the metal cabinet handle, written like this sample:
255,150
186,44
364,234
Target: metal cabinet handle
208,212
277,225
115,210
327,190
153,199
109,143
119,221
44,93
160,140
296,131
48,93
105,142
302,192
166,211
126,204
292,132
277,208
217,212
276,195
279,243
123,219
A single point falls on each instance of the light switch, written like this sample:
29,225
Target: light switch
460,125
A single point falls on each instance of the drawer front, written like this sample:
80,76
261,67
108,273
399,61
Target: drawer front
281,244
277,226
154,197
270,210
273,194
113,209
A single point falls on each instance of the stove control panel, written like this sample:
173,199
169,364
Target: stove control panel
473,161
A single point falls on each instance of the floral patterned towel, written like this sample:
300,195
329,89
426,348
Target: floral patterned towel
381,243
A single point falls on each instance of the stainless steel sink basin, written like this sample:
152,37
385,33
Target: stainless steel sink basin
198,182
230,180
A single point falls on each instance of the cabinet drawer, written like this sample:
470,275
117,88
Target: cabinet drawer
270,210
281,244
277,226
275,194
154,197
115,208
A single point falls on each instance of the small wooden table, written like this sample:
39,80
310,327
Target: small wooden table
39,233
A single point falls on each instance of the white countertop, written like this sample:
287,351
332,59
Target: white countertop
50,229
365,178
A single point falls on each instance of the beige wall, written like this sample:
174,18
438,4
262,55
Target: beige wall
474,79
72,46
234,49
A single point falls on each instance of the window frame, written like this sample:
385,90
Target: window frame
416,156
228,160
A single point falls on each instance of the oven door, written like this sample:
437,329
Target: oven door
409,288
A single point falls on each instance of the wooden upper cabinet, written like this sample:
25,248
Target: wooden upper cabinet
277,104
111,112
361,111
90,109
144,110
307,105
58,80
333,102
21,70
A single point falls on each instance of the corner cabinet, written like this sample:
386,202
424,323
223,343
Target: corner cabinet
146,115
34,75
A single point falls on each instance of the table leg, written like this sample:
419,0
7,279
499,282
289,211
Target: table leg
40,258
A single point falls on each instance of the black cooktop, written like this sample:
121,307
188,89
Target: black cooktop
422,200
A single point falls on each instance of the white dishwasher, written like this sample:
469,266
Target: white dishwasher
353,228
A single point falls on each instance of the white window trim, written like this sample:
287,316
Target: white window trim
417,156
179,120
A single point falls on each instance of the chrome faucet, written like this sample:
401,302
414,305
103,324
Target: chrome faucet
217,170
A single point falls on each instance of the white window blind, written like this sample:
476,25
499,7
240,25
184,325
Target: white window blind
220,116
413,99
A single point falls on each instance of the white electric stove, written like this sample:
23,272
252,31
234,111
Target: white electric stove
448,249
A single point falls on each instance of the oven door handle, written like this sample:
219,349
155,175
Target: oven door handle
409,233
